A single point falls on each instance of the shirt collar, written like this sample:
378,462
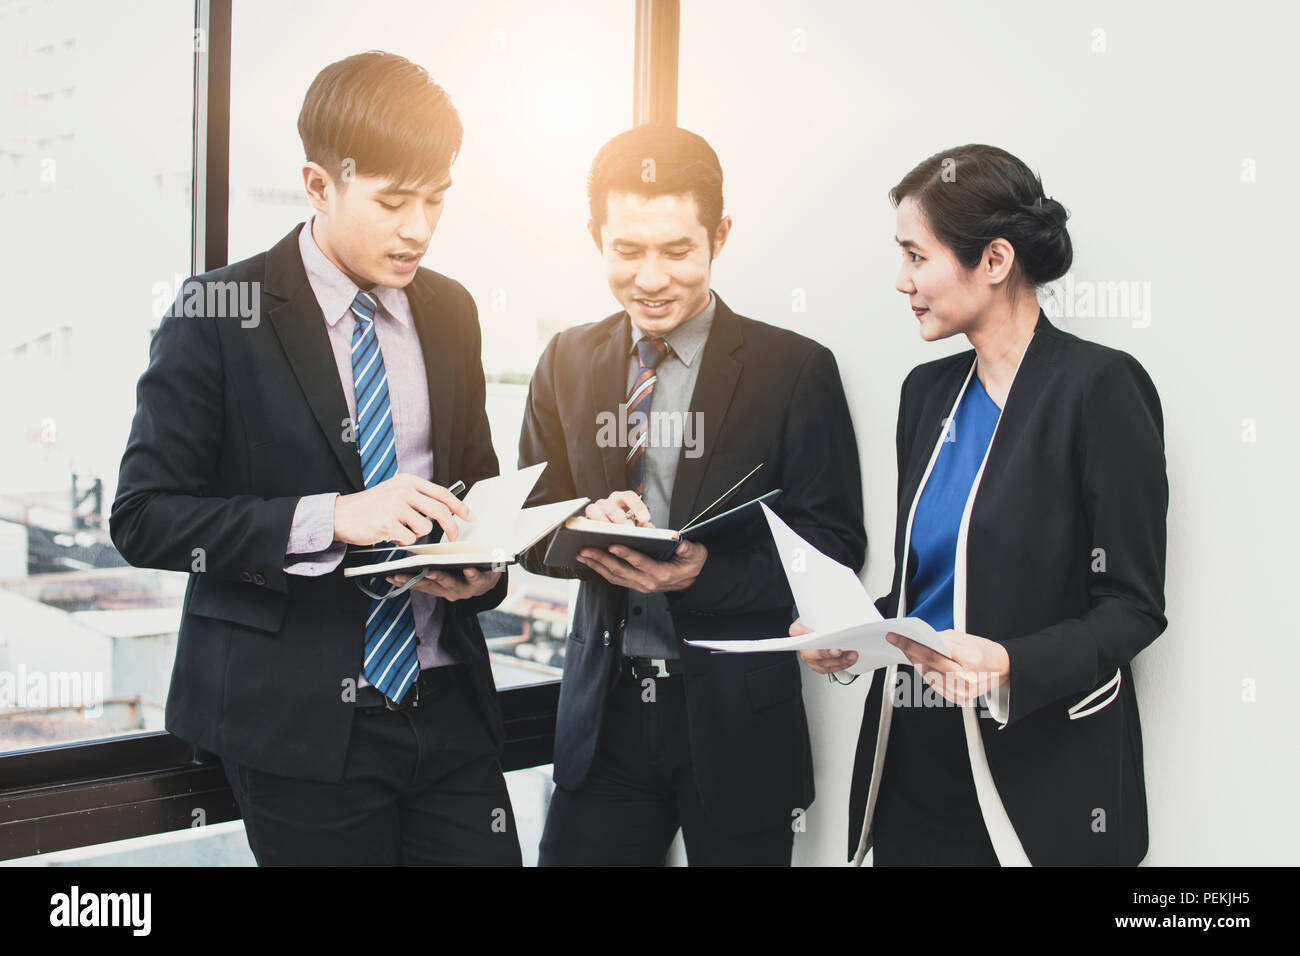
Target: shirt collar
335,291
688,338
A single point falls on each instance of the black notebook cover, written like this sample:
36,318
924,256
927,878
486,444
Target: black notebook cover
567,542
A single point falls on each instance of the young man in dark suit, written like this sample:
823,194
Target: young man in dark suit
654,413
353,730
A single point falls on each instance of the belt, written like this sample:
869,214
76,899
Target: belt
429,678
642,667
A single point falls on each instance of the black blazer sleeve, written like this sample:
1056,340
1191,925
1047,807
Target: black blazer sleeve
480,458
1125,495
821,500
165,506
541,438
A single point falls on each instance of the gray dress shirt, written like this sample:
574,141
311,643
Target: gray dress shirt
650,630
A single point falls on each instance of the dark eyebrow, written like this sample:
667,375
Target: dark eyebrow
392,189
683,241
906,243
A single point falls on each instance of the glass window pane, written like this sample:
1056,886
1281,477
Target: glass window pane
96,116
538,93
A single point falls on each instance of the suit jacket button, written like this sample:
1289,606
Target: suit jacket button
259,579
604,638
245,576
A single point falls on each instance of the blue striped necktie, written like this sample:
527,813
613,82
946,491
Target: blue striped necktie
390,662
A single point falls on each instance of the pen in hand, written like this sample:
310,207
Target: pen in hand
456,489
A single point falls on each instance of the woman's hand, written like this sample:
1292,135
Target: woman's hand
974,666
823,662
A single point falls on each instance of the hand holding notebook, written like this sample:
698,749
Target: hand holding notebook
504,529
658,543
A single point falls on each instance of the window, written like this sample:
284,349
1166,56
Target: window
96,111
537,96
99,133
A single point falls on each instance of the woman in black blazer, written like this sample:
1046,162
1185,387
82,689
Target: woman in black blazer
1031,533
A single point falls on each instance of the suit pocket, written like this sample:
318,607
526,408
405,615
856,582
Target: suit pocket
772,684
237,602
1098,699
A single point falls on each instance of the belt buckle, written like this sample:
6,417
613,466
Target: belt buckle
415,702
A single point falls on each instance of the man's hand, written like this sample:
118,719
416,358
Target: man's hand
622,507
397,510
823,662
449,585
632,569
973,667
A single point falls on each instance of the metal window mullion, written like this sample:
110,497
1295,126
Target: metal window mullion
658,26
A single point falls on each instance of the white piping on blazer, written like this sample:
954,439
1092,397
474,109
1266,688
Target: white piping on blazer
1076,712
1006,844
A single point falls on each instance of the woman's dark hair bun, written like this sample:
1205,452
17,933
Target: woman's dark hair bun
974,194
1044,249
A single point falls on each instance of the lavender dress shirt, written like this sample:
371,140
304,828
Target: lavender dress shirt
312,549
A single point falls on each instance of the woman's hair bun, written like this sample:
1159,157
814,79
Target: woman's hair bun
974,194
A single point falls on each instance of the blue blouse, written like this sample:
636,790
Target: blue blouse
927,812
933,553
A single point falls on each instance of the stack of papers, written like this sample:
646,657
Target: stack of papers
835,606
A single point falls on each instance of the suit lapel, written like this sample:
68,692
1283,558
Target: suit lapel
1032,378
714,387
934,415
609,365
440,370
300,326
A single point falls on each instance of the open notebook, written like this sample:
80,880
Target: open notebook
503,531
657,543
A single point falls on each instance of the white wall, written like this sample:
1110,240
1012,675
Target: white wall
1145,143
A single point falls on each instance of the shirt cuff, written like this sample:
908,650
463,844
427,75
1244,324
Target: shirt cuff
311,549
998,702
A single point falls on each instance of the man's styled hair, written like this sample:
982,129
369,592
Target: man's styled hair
656,159
385,114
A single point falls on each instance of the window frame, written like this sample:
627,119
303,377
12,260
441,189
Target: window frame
87,793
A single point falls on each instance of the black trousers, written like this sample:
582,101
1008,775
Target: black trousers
641,789
927,811
421,786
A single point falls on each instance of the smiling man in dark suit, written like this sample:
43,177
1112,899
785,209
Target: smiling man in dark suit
652,734
353,730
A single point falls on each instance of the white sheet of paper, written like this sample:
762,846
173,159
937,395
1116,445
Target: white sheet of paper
868,639
835,605
531,523
828,594
496,503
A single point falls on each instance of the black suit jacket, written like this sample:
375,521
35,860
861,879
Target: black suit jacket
766,395
233,426
1065,567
